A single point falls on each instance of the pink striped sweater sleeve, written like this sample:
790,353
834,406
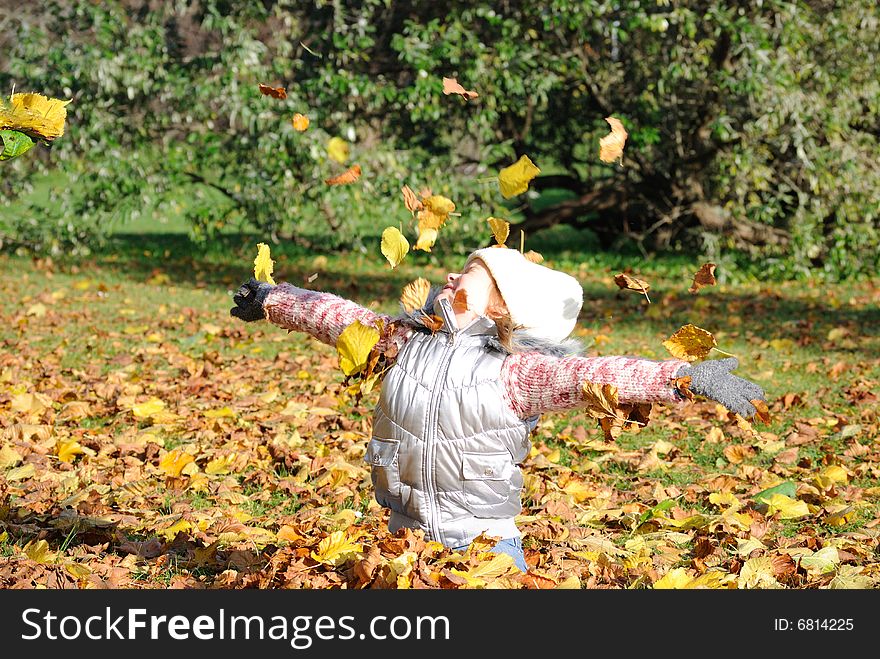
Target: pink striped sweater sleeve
537,383
323,315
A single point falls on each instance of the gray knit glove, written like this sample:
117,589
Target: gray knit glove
713,380
249,300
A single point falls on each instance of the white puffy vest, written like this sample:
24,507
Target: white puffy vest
445,446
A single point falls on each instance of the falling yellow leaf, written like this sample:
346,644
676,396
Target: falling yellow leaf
354,345
336,548
38,551
338,149
500,229
300,122
514,179
394,245
600,400
263,264
435,211
426,240
611,146
173,462
415,294
34,114
787,507
690,343
68,450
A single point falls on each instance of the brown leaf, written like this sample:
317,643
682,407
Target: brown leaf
432,322
611,146
705,276
460,301
736,453
600,400
533,256
683,386
763,412
415,294
274,92
452,86
626,282
350,175
410,200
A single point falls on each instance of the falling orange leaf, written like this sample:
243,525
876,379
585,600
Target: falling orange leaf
705,276
410,199
415,294
460,301
274,92
611,146
299,122
350,175
452,86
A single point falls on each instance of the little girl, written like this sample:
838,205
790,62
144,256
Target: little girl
458,405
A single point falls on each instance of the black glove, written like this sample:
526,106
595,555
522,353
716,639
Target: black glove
249,300
713,380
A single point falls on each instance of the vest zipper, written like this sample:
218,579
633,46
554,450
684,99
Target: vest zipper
431,439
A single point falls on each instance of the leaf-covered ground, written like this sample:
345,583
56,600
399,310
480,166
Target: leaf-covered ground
148,440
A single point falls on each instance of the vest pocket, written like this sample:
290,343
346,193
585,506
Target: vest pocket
486,479
381,455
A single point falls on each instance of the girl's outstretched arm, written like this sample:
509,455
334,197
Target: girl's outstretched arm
537,383
322,315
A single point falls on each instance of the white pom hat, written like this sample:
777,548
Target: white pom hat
545,302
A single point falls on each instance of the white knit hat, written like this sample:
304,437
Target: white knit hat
545,302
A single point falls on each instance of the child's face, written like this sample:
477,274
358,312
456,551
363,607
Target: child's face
477,283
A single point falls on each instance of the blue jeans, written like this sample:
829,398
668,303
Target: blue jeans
510,546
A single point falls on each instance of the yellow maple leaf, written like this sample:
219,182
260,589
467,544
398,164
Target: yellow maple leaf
263,264
611,146
787,507
514,179
150,408
500,229
336,548
34,114
415,294
354,345
173,462
69,449
394,246
338,149
690,343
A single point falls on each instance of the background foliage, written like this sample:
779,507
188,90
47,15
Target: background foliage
752,125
